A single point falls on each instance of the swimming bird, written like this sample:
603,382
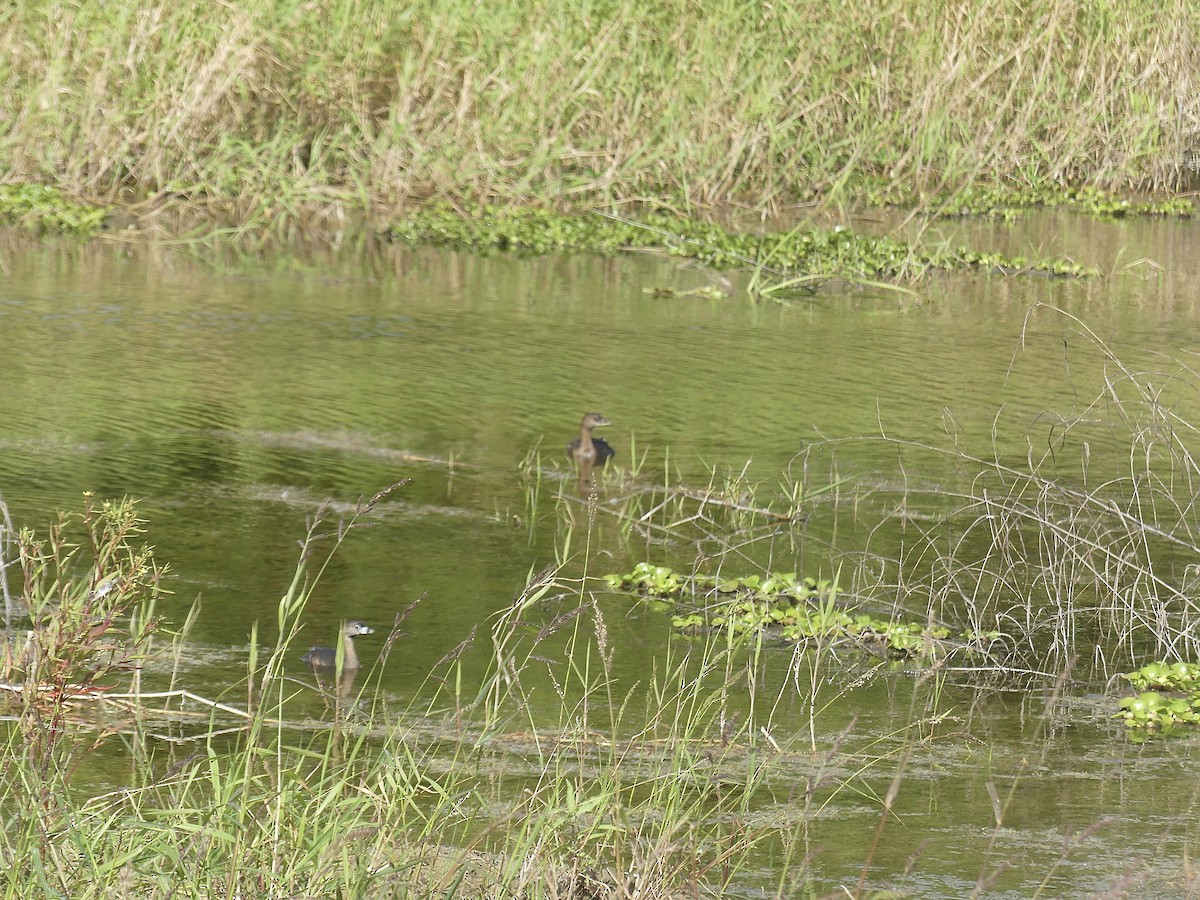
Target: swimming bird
587,450
326,657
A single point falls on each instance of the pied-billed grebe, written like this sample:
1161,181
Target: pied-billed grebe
588,450
326,657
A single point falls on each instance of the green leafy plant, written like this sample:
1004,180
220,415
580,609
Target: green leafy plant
1151,709
1176,676
790,608
797,260
652,580
43,208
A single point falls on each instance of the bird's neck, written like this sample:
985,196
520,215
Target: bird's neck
349,657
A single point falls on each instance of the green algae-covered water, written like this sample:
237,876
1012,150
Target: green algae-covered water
234,395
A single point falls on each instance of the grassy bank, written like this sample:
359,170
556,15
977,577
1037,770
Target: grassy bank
279,108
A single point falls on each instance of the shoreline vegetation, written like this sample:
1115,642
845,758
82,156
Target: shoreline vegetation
334,115
781,264
283,106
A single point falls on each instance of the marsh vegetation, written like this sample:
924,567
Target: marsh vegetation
525,763
892,593
317,114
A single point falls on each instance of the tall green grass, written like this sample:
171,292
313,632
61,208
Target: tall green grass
277,108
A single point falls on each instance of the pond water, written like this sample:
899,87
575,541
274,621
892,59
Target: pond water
234,393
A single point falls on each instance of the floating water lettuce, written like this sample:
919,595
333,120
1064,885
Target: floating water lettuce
790,608
792,255
1151,709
